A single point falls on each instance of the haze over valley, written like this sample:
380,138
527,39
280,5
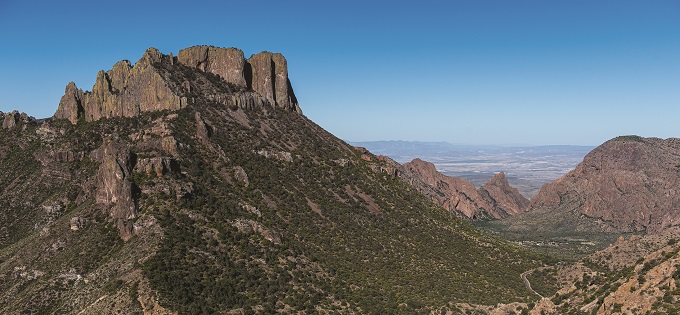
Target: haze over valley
526,167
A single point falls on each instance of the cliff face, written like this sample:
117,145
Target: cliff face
228,63
505,198
124,91
495,199
629,181
152,84
265,73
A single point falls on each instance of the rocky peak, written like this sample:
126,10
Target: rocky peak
507,198
496,199
127,91
12,119
629,181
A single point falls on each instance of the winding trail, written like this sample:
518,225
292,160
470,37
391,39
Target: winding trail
527,283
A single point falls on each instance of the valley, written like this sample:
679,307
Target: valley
526,167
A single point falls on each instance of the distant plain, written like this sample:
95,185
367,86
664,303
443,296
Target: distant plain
526,167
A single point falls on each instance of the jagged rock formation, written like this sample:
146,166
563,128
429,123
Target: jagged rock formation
631,182
495,199
124,91
11,119
152,84
503,197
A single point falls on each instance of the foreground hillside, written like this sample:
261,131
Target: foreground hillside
638,275
213,194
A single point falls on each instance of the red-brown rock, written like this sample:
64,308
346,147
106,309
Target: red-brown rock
630,181
496,199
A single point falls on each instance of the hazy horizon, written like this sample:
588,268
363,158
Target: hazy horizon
506,145
521,72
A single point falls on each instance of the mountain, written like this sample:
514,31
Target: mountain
495,199
630,182
194,184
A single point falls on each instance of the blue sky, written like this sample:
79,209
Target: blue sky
473,72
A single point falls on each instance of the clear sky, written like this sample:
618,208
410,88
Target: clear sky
474,72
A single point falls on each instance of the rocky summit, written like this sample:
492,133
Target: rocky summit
162,82
192,183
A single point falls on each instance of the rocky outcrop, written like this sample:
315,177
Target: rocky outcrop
13,118
496,199
10,120
114,185
503,197
157,166
128,91
124,91
265,73
269,77
629,181
228,63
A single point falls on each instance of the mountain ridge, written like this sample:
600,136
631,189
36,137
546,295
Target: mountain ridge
127,90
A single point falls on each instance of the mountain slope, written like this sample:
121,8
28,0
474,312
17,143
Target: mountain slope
228,200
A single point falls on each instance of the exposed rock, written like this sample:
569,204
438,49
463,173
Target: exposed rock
228,63
269,78
158,166
114,187
124,91
10,120
251,209
503,197
279,155
250,226
241,176
70,105
128,91
169,145
544,307
203,130
52,208
629,181
496,199
77,223
642,272
454,194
